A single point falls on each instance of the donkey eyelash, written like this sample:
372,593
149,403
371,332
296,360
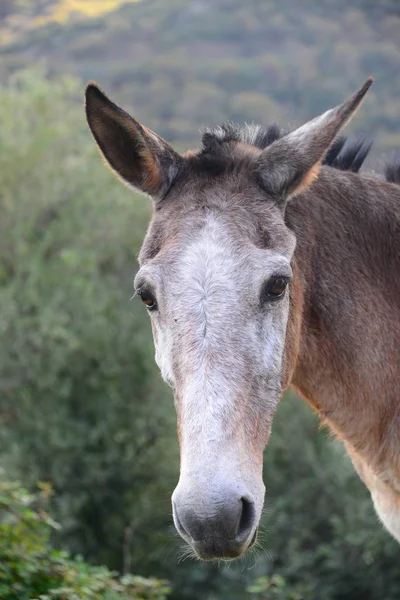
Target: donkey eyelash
148,298
274,289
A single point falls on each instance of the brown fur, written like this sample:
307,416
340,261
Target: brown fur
153,175
348,367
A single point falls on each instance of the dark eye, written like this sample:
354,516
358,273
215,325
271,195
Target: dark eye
148,299
275,288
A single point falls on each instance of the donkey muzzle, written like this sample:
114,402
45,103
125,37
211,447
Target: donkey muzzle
217,525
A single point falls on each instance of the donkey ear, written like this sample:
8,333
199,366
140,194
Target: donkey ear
290,164
135,153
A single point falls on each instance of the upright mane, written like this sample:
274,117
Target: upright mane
347,153
392,171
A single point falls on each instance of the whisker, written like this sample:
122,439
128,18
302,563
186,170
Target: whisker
255,555
264,549
186,553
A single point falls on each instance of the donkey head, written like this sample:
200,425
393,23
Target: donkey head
216,279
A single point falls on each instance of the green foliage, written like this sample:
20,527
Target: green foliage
81,401
272,588
30,569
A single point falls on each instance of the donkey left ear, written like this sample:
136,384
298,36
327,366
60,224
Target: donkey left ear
134,152
290,164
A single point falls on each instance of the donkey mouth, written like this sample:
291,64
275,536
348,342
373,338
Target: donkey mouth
221,530
214,549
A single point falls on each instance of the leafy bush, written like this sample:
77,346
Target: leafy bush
81,402
30,569
272,588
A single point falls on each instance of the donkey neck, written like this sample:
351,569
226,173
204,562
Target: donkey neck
348,271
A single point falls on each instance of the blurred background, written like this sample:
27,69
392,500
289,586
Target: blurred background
82,405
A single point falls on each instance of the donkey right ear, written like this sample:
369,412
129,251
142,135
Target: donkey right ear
135,153
290,164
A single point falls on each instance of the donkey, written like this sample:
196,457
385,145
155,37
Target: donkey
262,268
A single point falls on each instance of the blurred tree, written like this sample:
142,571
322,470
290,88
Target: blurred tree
31,568
80,402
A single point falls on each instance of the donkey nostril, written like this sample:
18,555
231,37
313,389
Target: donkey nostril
246,519
178,523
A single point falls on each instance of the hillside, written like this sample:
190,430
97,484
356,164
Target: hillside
185,64
21,16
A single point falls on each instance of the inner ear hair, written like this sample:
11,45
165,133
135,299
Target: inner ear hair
134,153
306,179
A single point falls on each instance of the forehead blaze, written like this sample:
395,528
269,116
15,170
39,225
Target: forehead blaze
199,279
244,212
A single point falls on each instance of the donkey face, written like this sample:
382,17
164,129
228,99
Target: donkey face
217,296
215,277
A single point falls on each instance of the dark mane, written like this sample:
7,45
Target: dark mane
347,153
392,171
253,135
216,155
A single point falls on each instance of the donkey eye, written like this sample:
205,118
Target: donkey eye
275,288
148,299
